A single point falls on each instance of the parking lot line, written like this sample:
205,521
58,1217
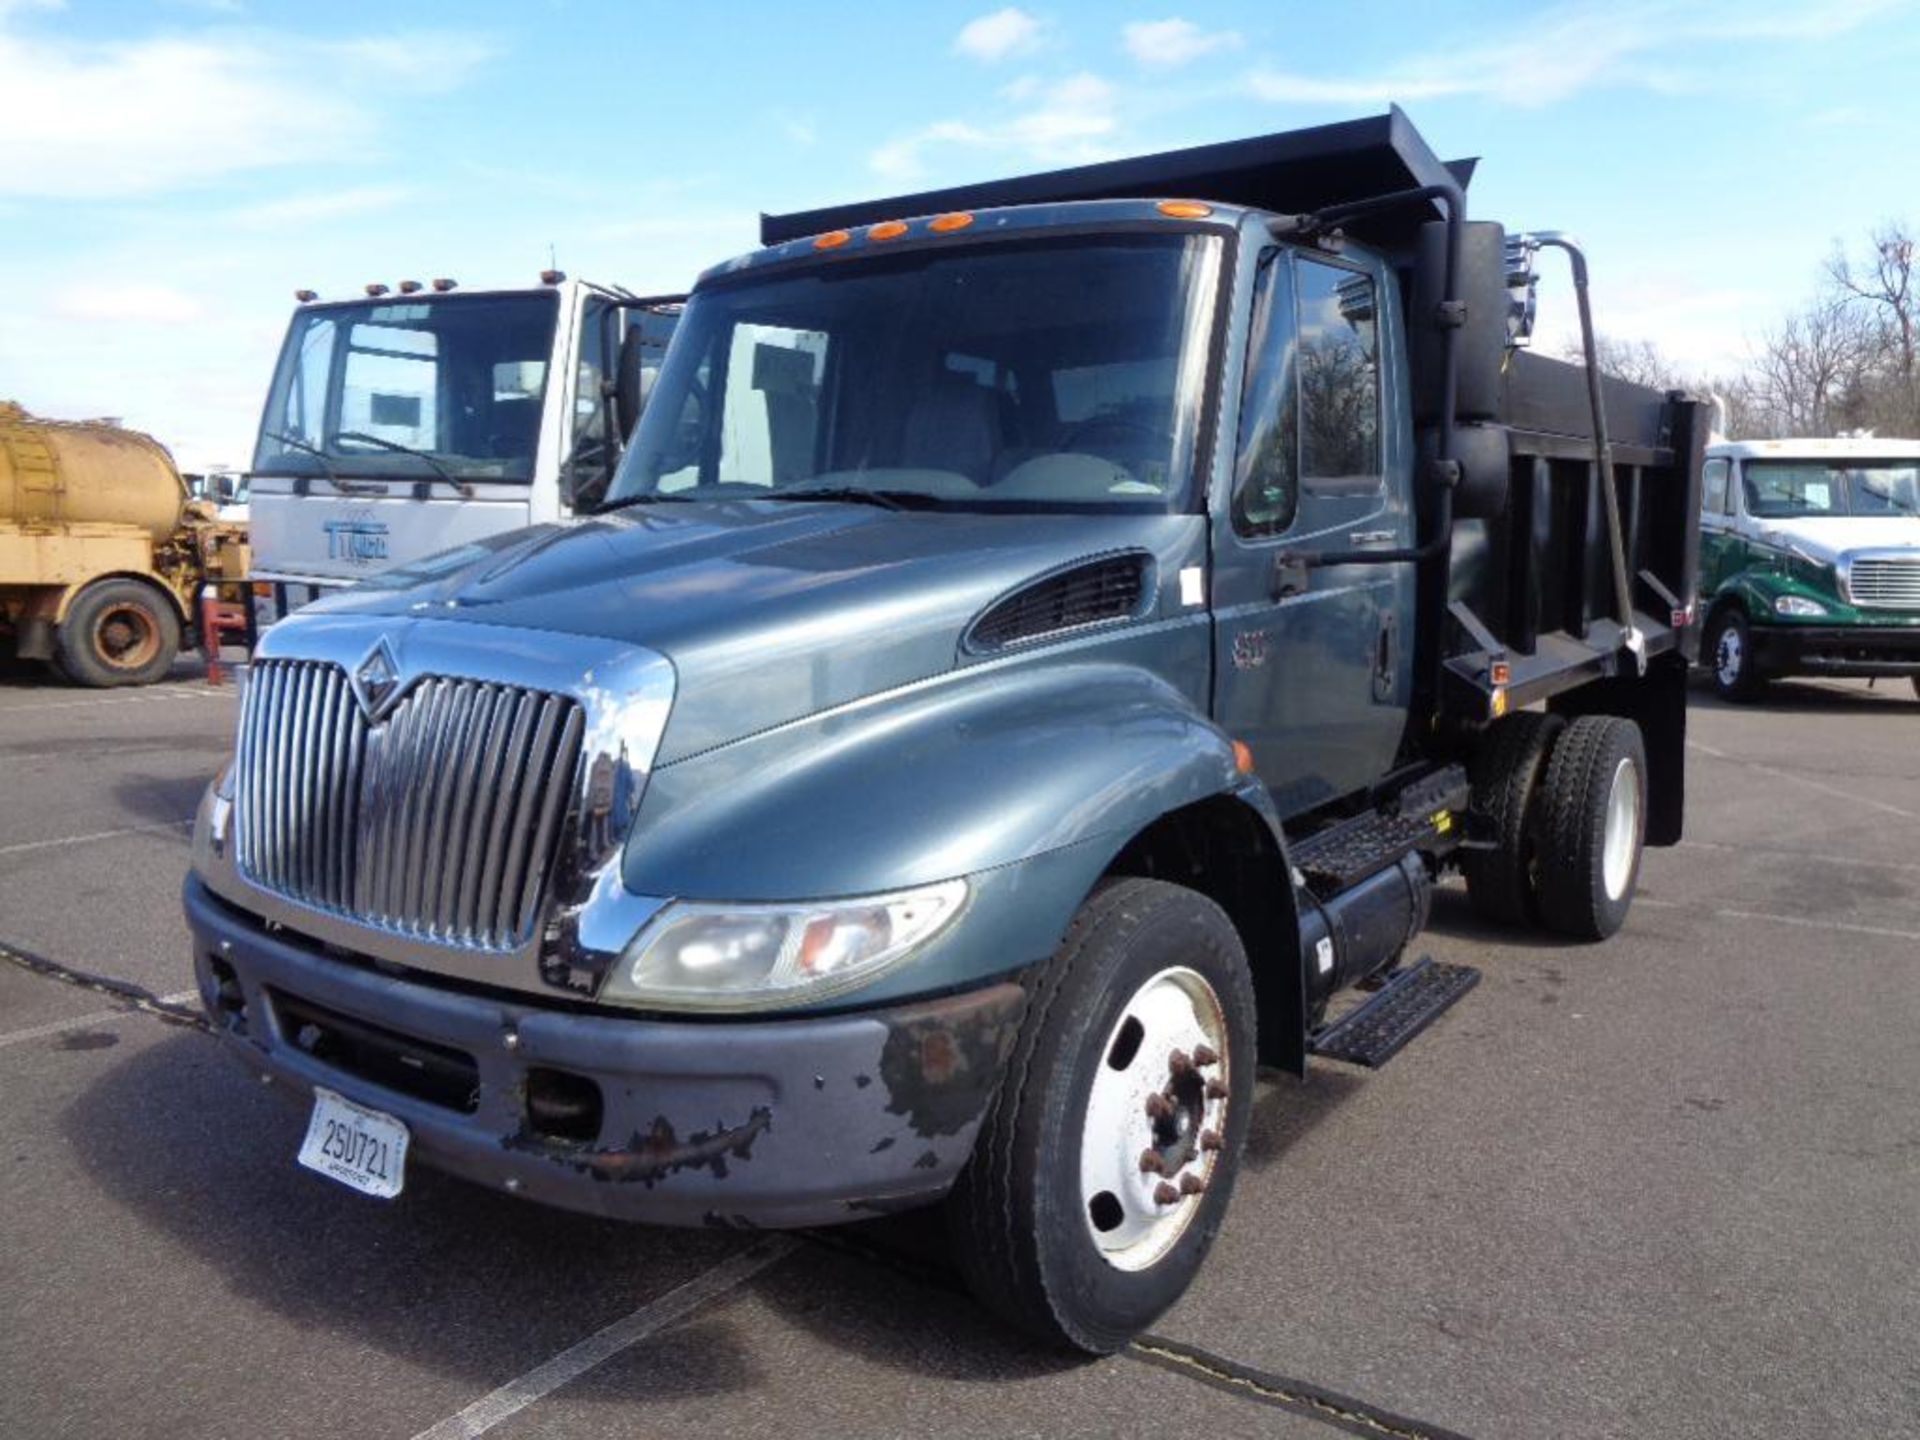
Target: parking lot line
1805,781
150,696
1799,921
513,1397
79,1022
1782,853
24,846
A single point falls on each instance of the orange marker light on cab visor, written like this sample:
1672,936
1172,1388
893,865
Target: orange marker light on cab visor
887,230
946,224
1242,757
832,240
1184,209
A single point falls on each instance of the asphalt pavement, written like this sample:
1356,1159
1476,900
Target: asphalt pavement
1667,1186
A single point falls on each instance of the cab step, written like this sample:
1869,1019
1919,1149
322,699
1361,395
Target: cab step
1425,817
1373,1032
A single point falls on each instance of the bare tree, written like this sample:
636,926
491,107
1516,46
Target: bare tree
1885,393
1806,368
1640,362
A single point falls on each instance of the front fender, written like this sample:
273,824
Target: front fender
980,769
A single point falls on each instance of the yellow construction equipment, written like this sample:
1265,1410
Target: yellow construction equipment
103,554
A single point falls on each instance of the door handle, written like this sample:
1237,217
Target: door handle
1369,539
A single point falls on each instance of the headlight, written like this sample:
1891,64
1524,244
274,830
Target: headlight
746,957
1798,605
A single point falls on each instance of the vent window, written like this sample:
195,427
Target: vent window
1108,589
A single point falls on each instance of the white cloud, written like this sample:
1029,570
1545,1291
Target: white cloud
1000,36
1165,44
1065,125
318,208
85,120
1579,46
129,304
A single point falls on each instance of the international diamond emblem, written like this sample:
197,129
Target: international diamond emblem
376,680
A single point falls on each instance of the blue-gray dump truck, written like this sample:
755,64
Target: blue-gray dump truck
1041,650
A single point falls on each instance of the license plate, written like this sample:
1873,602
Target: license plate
361,1148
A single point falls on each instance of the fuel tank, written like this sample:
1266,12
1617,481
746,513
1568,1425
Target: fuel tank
56,472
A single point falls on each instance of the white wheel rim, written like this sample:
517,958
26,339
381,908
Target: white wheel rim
1623,829
1728,657
1171,1042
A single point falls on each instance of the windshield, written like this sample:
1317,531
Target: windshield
1060,374
1793,489
459,379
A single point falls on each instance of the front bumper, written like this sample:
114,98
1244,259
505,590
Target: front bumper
714,1122
1858,651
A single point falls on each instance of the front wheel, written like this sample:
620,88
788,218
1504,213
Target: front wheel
1729,656
1103,1170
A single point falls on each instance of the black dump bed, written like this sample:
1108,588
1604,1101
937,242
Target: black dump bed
1519,583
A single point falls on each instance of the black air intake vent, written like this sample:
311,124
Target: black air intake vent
1106,589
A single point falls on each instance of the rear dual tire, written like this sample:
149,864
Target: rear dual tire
1055,1220
1565,804
117,632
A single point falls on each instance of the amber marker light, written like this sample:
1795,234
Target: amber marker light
1184,209
832,240
947,224
442,285
1242,757
410,287
887,230
376,290
306,297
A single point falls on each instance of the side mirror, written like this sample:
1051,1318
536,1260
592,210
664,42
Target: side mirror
633,379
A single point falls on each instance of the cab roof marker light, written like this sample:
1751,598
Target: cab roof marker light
306,297
947,224
832,240
887,230
442,285
376,290
552,277
410,287
1184,209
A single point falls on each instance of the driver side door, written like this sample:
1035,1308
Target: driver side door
1312,666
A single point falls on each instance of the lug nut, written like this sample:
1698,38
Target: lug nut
1205,1055
1151,1163
1165,1194
1179,1062
1210,1140
513,1184
511,1040
1191,1185
1216,1090
1159,1107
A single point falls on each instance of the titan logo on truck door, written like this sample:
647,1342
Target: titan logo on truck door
358,540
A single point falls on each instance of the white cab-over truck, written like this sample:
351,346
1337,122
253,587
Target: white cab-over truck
423,418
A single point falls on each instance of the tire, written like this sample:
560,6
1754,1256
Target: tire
1091,1271
1593,812
1728,656
1505,772
118,632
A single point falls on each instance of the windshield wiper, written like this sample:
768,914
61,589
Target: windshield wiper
855,495
461,487
345,487
648,497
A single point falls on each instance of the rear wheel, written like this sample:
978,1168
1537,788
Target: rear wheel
1506,772
1102,1172
118,632
1729,657
1593,823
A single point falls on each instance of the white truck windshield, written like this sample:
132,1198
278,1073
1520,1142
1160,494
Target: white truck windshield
411,387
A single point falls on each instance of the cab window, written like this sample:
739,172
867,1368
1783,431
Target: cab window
1339,368
1713,484
1266,479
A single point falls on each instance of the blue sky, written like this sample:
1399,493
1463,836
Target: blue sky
171,171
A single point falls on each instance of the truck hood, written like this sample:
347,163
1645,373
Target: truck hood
1827,537
768,612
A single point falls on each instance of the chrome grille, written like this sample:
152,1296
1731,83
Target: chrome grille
1885,582
438,822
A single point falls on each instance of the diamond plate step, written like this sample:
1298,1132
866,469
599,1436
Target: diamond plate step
1373,1033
